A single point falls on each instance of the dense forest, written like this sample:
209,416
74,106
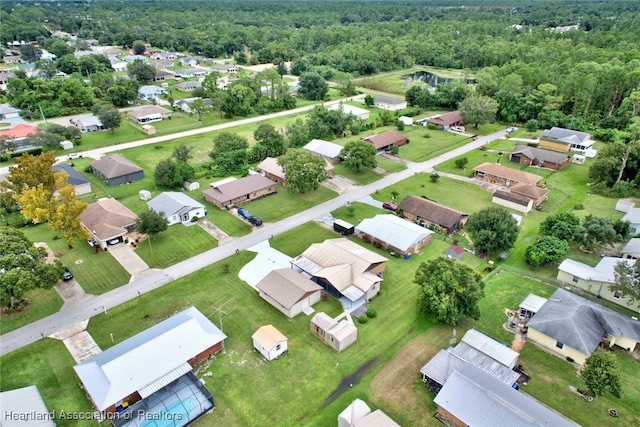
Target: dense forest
586,78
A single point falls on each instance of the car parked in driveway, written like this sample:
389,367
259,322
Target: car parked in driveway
390,206
67,275
254,220
244,213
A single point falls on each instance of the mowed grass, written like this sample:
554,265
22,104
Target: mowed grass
283,204
87,266
44,302
175,244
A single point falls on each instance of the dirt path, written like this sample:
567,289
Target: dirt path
350,380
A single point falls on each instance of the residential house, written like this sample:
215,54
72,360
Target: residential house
358,113
114,169
513,201
108,221
560,139
431,214
162,75
5,75
518,182
632,249
24,407
150,92
188,85
446,121
530,306
177,207
12,59
8,112
270,342
472,397
326,149
389,102
186,103
119,67
358,414
18,136
80,53
338,334
149,113
289,291
87,123
394,234
150,375
476,349
385,140
596,280
623,205
190,61
565,28
133,58
572,327
529,156
80,183
633,217
270,168
191,73
224,68
343,268
171,56
239,191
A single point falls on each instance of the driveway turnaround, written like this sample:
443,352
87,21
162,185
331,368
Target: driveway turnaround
101,303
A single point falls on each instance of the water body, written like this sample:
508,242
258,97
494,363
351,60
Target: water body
431,79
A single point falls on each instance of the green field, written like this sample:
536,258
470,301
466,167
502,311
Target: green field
395,82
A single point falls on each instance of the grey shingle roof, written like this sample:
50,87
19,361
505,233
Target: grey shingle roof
74,177
287,286
565,135
432,211
115,165
540,154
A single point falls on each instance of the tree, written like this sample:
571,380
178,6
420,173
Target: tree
368,100
303,170
29,53
462,162
151,223
449,290
564,226
297,133
627,281
357,155
531,125
28,172
229,153
546,250
109,116
172,174
138,47
601,374
282,69
182,153
23,267
434,177
270,143
64,216
492,229
598,230
312,86
199,107
400,125
478,110
140,71
324,123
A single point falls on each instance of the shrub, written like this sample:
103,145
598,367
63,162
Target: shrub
432,127
226,268
195,219
88,169
366,238
394,149
363,319
427,135
578,207
371,313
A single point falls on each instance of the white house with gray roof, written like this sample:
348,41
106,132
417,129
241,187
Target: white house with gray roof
150,92
633,217
572,327
395,233
326,149
472,397
561,139
390,103
632,249
289,291
596,280
177,207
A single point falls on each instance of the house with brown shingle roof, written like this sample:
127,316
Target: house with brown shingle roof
386,139
431,214
447,120
519,182
530,156
289,291
270,168
239,191
108,221
115,169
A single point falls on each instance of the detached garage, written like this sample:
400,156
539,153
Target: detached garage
512,201
289,291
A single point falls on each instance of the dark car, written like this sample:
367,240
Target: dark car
244,213
67,275
390,206
254,220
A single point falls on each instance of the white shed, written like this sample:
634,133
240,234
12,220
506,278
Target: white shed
66,145
578,159
624,205
191,185
407,121
144,195
270,342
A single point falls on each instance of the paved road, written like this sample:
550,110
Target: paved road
98,152
102,303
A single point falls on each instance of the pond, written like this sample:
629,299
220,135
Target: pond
431,79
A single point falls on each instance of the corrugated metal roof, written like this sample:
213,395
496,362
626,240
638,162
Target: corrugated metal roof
477,399
490,347
164,380
394,231
324,148
632,247
24,401
376,419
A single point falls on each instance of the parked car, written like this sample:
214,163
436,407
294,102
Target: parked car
244,213
390,206
67,275
254,220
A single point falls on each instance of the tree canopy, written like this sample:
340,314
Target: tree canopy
627,281
312,86
492,229
229,153
358,155
477,110
303,170
448,290
602,374
546,250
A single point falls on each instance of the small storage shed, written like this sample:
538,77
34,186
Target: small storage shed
148,129
407,121
191,185
339,335
454,251
578,159
66,145
343,227
270,342
144,195
624,205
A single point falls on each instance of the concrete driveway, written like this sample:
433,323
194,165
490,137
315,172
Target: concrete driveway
339,184
129,259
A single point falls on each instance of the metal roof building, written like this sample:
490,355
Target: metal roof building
22,402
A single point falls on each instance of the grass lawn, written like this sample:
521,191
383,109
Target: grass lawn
175,244
423,147
364,177
283,204
396,81
43,303
389,165
360,212
88,267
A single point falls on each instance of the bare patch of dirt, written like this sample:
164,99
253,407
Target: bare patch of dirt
350,380
17,308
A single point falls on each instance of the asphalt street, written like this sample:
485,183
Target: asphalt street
102,303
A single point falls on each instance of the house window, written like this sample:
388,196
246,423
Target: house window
559,345
575,279
617,294
278,347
